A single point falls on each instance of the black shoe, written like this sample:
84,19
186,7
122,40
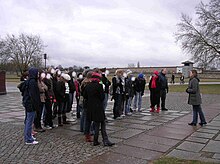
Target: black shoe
164,109
204,123
96,143
108,143
40,130
67,123
192,124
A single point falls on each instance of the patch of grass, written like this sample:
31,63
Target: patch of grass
169,160
204,88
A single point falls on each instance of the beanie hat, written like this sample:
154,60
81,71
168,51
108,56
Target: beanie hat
66,76
141,75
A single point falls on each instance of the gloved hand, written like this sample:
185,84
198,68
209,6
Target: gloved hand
167,90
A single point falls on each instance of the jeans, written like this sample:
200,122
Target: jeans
198,110
70,103
83,120
105,102
138,99
163,94
28,127
128,105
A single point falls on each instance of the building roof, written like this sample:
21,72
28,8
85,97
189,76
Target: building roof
187,62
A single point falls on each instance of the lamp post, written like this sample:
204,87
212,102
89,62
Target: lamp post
45,58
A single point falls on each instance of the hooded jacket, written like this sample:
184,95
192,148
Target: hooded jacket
163,81
31,98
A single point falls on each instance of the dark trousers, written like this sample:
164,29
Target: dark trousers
163,94
77,108
154,98
117,105
197,110
48,113
37,119
103,131
55,106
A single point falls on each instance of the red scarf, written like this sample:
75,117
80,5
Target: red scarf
153,83
95,79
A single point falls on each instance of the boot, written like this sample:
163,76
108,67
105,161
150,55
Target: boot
108,143
88,138
158,110
152,109
64,120
59,121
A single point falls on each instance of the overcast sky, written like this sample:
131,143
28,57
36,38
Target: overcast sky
109,33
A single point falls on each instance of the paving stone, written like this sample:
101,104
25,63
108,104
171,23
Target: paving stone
149,146
184,154
140,126
218,137
137,152
157,140
146,118
125,134
203,130
114,128
112,158
133,121
190,146
216,156
203,135
212,146
197,139
119,123
210,127
214,123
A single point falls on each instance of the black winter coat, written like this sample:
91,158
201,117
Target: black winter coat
31,98
60,91
94,96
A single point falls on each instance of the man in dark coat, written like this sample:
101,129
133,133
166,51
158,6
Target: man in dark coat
31,102
94,96
163,88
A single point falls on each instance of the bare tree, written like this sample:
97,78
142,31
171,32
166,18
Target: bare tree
201,39
23,51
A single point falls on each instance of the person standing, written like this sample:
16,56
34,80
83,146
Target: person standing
195,99
154,87
172,78
140,83
31,102
117,95
94,96
163,88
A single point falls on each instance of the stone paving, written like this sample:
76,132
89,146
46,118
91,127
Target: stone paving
139,138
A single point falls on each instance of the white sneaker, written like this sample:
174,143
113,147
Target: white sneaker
129,114
31,143
123,115
54,126
48,127
33,138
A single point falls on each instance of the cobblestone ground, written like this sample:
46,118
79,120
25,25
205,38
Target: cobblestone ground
66,144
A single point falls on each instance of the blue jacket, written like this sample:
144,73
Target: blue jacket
31,98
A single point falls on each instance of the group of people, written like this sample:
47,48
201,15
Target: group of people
49,94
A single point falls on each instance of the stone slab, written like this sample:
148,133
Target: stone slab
149,146
137,152
197,139
190,146
125,134
203,135
140,126
212,131
218,137
212,146
184,154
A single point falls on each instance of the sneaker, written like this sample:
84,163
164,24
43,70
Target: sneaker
129,114
123,115
48,127
33,138
31,143
164,109
54,126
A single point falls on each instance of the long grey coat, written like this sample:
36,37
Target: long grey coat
194,92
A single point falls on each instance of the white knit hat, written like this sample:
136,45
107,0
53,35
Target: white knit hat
65,76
